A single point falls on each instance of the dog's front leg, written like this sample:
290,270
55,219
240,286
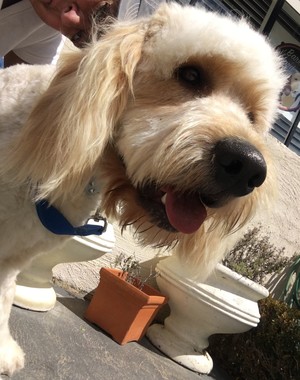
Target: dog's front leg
11,355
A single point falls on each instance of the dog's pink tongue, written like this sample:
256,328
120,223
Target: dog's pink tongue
185,213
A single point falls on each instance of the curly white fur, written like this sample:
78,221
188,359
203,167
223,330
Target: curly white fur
119,112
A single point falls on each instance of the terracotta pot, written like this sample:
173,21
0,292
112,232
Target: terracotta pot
121,309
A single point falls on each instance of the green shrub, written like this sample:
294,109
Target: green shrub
271,351
255,257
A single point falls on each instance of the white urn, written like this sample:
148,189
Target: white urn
225,303
34,290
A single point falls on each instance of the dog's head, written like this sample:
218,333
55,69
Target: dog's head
189,149
172,109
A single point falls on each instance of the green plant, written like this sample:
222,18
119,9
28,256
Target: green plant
270,351
255,257
291,291
131,266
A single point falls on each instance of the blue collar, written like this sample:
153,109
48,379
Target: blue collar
55,222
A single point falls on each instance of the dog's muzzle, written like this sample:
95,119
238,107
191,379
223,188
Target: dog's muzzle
239,166
238,169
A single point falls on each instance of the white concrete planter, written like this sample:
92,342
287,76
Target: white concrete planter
225,303
34,288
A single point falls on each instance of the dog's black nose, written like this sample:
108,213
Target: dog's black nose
239,166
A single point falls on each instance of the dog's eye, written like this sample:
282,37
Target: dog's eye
251,117
191,76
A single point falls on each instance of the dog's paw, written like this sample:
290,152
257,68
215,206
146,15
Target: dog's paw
11,357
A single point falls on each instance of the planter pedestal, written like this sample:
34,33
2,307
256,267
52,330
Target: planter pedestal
225,303
34,290
180,349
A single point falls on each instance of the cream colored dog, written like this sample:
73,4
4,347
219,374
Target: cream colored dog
161,121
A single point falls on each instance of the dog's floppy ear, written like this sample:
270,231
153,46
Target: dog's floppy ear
74,119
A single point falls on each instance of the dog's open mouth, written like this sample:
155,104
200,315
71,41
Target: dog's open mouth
185,212
176,212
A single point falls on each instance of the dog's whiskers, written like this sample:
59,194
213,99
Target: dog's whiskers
129,224
138,228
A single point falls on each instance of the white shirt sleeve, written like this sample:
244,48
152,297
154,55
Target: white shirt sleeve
24,33
42,51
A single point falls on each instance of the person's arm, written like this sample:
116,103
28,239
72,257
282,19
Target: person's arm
12,59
